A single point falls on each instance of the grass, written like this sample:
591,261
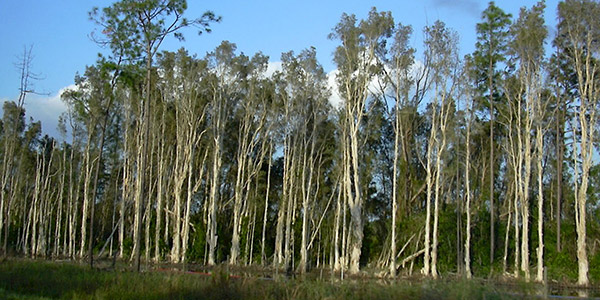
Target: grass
26,279
4,294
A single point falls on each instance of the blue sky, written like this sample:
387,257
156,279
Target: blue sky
59,30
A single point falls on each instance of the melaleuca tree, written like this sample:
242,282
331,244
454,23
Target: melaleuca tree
304,93
528,107
12,127
580,32
356,61
221,105
396,86
92,100
135,29
441,50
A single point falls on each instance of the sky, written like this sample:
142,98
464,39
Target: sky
59,32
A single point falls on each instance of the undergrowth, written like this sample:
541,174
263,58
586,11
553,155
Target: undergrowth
26,279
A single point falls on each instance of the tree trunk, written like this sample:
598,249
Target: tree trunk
492,212
290,213
263,257
180,174
540,225
160,188
86,192
430,186
59,208
336,231
212,209
587,122
125,192
151,186
397,130
144,134
94,189
526,137
468,190
211,225
305,213
355,203
560,148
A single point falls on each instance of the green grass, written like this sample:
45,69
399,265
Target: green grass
4,294
25,279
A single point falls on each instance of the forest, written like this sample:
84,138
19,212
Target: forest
484,165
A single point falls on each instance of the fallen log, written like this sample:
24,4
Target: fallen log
412,257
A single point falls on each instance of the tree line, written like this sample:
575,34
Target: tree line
477,165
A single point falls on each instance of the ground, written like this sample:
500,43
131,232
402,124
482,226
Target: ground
36,279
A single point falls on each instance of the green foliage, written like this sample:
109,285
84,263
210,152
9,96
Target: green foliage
13,118
375,240
198,242
129,35
595,272
127,246
529,33
490,50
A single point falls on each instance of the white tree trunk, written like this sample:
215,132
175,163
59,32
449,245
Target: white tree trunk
336,242
539,158
468,190
355,203
86,193
162,161
211,226
263,257
395,187
429,179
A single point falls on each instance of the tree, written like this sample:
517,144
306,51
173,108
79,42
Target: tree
252,112
135,28
563,81
182,89
469,120
93,98
305,100
581,32
13,125
397,83
492,39
356,58
527,47
441,52
221,105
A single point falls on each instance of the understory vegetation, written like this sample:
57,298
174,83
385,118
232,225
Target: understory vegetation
24,279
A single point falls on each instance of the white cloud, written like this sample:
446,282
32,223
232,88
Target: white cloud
335,99
47,110
273,67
